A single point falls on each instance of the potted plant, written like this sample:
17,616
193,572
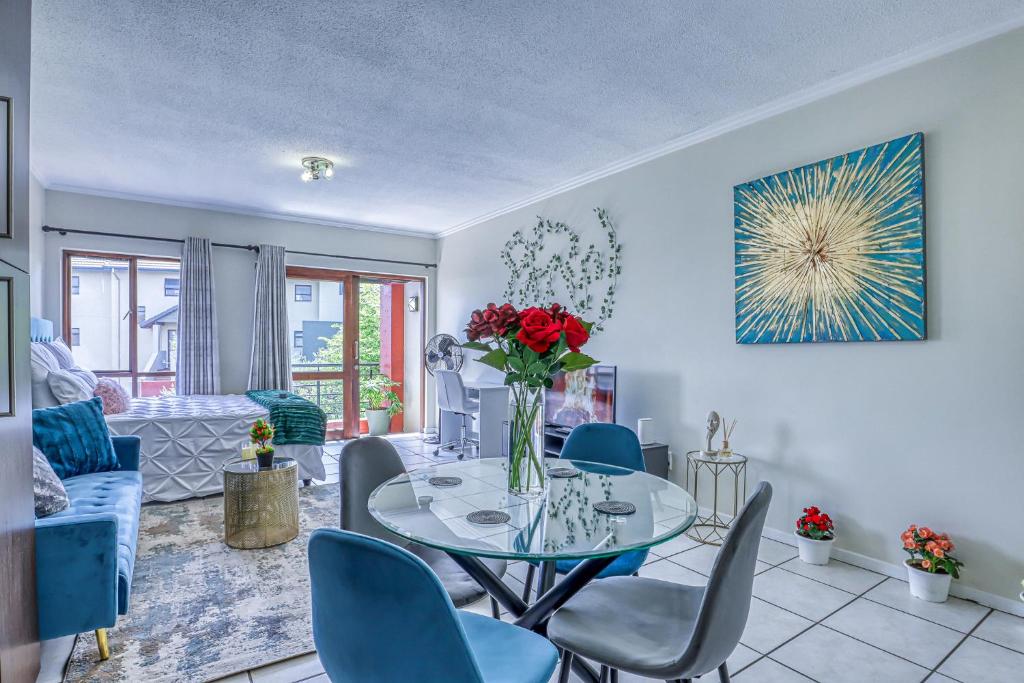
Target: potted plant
930,568
262,434
814,536
382,403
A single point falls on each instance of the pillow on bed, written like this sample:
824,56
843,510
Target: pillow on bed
42,364
112,395
68,387
87,376
61,352
74,438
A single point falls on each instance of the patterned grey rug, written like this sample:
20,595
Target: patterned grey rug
200,610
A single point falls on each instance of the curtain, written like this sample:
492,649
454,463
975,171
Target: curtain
198,356
271,354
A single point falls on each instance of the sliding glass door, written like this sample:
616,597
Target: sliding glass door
120,318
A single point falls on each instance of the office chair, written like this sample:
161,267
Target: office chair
452,398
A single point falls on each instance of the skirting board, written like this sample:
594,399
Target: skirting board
898,571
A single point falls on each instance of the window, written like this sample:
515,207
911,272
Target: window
303,292
76,284
76,337
172,285
297,339
141,314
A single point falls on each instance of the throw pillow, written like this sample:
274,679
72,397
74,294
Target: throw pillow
87,376
61,352
68,387
74,438
113,396
50,495
42,364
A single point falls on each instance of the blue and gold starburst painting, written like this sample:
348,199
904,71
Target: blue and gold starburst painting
834,251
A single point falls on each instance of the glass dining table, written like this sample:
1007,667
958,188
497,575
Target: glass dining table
591,513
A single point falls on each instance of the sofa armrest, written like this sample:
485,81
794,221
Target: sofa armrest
76,573
127,449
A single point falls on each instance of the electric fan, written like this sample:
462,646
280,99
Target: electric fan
443,352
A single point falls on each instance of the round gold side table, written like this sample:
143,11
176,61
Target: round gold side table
712,528
261,507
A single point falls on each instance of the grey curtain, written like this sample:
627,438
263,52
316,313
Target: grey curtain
271,354
198,357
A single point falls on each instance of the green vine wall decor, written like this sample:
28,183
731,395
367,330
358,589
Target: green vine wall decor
572,271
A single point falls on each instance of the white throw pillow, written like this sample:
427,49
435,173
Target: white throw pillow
42,363
87,376
62,353
68,387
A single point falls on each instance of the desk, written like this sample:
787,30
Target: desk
490,423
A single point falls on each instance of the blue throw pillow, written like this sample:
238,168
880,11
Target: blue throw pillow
74,438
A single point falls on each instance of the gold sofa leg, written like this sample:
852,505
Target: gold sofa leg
102,644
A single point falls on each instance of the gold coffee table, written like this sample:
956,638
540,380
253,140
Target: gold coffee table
261,507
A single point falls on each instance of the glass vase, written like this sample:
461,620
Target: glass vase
526,442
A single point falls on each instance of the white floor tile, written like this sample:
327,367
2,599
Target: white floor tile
741,657
955,613
839,574
670,571
805,597
978,661
1002,629
769,626
826,655
939,678
676,545
899,633
774,552
242,677
289,670
701,558
768,671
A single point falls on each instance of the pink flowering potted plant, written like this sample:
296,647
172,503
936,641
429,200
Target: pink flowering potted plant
814,536
930,568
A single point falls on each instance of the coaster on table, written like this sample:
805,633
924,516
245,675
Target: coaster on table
444,481
488,517
615,507
563,472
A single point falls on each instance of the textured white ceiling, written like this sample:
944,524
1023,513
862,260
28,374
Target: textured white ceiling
436,112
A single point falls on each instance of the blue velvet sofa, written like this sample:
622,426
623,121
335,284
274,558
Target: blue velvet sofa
85,554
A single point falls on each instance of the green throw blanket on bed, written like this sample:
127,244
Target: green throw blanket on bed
295,419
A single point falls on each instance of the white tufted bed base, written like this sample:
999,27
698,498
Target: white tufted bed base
186,440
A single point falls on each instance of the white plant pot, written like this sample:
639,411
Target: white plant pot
812,551
378,421
928,586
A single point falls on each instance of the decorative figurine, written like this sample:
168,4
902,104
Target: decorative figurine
714,422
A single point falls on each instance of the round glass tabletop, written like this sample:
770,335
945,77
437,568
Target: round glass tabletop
252,467
562,525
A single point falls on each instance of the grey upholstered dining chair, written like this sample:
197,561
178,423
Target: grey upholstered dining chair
665,630
368,462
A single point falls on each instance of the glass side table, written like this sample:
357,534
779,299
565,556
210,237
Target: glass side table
712,528
261,507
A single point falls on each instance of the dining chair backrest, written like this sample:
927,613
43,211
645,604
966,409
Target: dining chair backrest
451,392
366,463
381,614
607,444
726,603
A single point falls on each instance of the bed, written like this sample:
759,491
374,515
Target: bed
186,440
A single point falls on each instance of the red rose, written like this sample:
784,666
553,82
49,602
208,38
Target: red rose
575,334
477,328
538,331
501,318
558,313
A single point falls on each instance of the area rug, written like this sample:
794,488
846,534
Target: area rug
201,610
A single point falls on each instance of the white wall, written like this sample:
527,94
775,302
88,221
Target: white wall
234,268
37,244
880,434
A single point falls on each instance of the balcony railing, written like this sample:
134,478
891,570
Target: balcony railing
329,393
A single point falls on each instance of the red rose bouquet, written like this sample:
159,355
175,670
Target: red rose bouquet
816,525
529,346
930,551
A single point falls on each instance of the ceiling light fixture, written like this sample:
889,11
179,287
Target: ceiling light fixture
315,168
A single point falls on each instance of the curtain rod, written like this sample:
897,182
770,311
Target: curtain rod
247,247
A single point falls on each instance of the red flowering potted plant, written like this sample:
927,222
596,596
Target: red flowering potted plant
814,536
930,568
262,434
529,346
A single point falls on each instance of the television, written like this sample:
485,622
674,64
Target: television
580,396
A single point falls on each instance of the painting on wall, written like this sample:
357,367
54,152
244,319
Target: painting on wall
834,251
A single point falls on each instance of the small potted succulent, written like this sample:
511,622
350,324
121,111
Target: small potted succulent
930,568
262,434
814,536
382,403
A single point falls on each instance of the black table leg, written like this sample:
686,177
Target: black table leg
535,616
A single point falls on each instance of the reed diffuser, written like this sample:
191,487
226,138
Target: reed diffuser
727,430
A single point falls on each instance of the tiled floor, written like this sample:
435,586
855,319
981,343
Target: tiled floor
832,624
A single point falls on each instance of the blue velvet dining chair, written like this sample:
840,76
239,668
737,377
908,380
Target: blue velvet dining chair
605,444
381,614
